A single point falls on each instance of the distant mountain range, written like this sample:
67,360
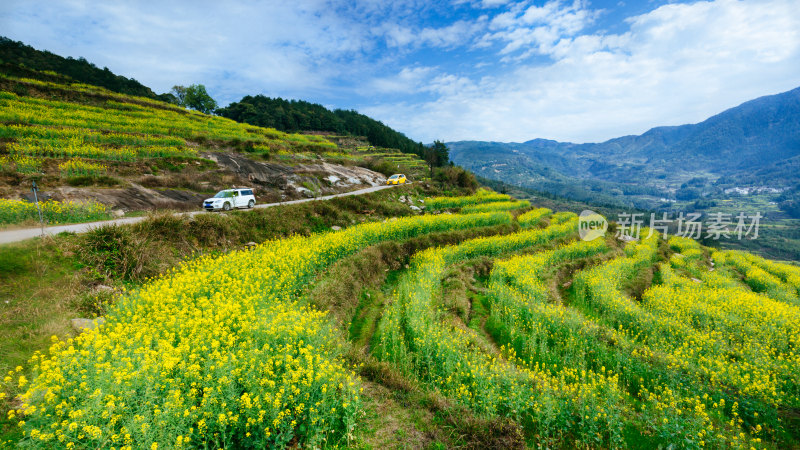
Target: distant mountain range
754,144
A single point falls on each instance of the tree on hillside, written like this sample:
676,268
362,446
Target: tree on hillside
167,97
442,153
195,97
179,92
437,155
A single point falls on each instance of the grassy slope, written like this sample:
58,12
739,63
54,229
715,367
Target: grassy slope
39,287
121,131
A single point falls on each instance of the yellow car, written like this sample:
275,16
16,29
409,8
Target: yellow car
396,179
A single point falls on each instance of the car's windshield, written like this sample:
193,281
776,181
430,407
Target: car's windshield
224,194
393,177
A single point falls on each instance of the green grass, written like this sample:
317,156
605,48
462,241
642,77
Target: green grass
32,274
40,291
366,316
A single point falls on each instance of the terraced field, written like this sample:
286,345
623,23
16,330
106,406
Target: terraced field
394,161
121,128
68,136
472,329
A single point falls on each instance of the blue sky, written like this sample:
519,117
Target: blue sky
580,71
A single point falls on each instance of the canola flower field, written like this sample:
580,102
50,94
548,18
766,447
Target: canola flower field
53,212
496,206
80,167
591,344
481,197
218,353
84,138
123,131
533,217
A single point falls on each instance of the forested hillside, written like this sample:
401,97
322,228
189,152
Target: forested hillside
299,115
16,57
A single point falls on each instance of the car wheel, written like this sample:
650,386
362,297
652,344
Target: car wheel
226,206
251,203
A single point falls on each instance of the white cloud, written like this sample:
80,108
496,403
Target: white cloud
544,14
493,3
450,85
398,36
233,48
536,29
484,4
678,64
469,69
453,35
408,80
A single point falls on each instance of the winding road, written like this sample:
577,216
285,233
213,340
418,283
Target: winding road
28,233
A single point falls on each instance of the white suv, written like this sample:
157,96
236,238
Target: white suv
231,198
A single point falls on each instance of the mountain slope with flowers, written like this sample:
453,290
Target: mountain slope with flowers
488,320
431,315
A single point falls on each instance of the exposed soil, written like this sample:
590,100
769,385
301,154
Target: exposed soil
187,186
297,181
133,197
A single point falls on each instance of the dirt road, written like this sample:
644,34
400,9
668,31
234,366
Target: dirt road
27,233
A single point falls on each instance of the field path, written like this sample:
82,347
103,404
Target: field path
28,233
